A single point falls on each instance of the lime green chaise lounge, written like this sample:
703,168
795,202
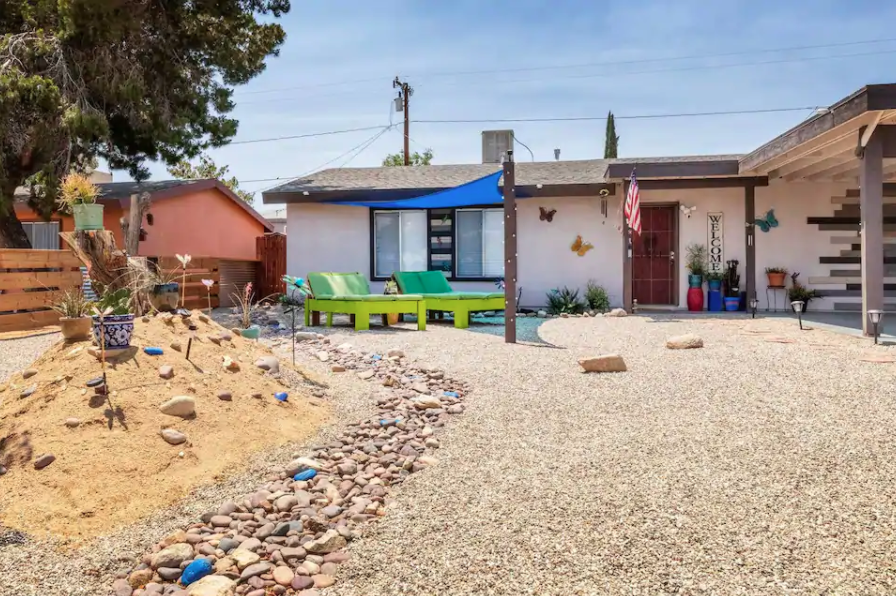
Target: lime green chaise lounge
349,293
439,295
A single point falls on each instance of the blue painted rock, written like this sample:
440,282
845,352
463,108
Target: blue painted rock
153,351
196,571
305,475
281,396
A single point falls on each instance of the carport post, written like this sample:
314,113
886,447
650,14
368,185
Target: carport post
510,254
749,218
871,181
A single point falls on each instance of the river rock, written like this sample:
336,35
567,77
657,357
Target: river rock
140,577
283,575
286,502
347,468
175,345
72,422
230,364
169,574
425,402
603,364
337,368
395,353
27,392
688,341
173,437
43,461
172,556
323,581
305,336
329,542
323,356
366,374
331,510
253,570
302,582
28,373
225,396
221,521
244,558
120,587
213,585
166,371
183,406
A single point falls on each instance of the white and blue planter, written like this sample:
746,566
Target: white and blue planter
117,330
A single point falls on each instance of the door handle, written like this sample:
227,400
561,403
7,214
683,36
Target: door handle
672,255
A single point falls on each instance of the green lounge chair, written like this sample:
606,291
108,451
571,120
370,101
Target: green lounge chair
439,295
349,293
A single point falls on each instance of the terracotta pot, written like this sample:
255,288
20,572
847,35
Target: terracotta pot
76,329
776,280
392,318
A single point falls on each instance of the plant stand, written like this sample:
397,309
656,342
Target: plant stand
771,294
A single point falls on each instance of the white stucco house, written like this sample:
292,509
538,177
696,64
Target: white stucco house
826,180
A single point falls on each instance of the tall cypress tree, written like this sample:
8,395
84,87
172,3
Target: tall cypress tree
611,144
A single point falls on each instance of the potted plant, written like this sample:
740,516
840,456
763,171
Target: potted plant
77,196
798,292
74,309
391,289
695,263
245,307
118,325
732,285
775,276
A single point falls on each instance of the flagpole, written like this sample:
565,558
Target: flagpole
627,252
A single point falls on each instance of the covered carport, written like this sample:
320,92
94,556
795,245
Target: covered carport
852,142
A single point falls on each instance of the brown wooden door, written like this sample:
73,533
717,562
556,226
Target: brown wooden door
653,256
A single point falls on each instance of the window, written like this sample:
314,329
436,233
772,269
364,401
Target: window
43,235
480,243
399,240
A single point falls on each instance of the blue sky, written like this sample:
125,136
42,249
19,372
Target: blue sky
364,44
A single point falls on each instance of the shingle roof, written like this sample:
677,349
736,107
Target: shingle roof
591,171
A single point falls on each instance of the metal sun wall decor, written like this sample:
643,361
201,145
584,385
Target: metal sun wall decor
767,222
579,247
546,215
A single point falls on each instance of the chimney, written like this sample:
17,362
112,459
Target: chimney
556,154
495,145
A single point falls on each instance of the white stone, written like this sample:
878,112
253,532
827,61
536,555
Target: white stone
323,356
243,558
617,312
181,405
425,402
687,341
213,585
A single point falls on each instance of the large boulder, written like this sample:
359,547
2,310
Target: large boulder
688,341
603,364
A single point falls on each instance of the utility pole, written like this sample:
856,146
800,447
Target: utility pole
404,93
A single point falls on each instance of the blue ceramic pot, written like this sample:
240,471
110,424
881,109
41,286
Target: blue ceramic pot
117,330
732,303
715,285
164,297
251,333
695,281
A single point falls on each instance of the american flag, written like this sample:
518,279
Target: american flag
633,205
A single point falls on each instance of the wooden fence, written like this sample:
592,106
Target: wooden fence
198,269
30,281
270,250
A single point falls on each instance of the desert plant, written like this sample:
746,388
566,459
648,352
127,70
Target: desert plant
245,305
565,301
732,279
76,189
797,291
72,304
597,297
776,270
142,277
714,276
390,287
115,302
696,258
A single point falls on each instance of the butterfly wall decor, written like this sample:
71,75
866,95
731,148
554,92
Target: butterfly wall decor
579,247
546,215
768,222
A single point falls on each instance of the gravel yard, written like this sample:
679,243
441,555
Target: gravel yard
761,464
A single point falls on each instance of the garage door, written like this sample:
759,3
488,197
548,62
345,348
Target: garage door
234,277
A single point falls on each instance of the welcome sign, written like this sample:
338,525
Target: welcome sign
715,240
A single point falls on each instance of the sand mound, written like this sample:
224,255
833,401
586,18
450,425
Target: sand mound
112,464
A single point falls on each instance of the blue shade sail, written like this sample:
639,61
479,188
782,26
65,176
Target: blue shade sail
483,191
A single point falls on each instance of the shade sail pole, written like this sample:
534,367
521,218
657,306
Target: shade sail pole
510,254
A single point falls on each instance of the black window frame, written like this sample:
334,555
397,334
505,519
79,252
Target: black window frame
429,216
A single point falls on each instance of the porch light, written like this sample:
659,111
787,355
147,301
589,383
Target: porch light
798,307
875,316
754,304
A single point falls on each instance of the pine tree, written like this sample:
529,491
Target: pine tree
611,144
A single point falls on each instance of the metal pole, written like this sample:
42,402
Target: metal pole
406,89
510,254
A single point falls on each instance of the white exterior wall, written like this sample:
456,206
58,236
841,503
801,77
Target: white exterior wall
337,238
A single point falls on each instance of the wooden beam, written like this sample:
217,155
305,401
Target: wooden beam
749,217
872,226
819,167
510,252
845,145
697,183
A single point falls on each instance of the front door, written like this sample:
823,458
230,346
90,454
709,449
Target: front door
653,256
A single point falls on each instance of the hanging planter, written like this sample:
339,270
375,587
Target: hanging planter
78,197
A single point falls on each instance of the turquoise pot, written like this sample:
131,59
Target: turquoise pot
252,332
695,281
715,285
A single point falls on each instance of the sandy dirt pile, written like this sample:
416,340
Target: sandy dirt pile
112,459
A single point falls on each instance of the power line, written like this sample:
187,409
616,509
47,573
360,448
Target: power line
424,75
305,136
633,117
